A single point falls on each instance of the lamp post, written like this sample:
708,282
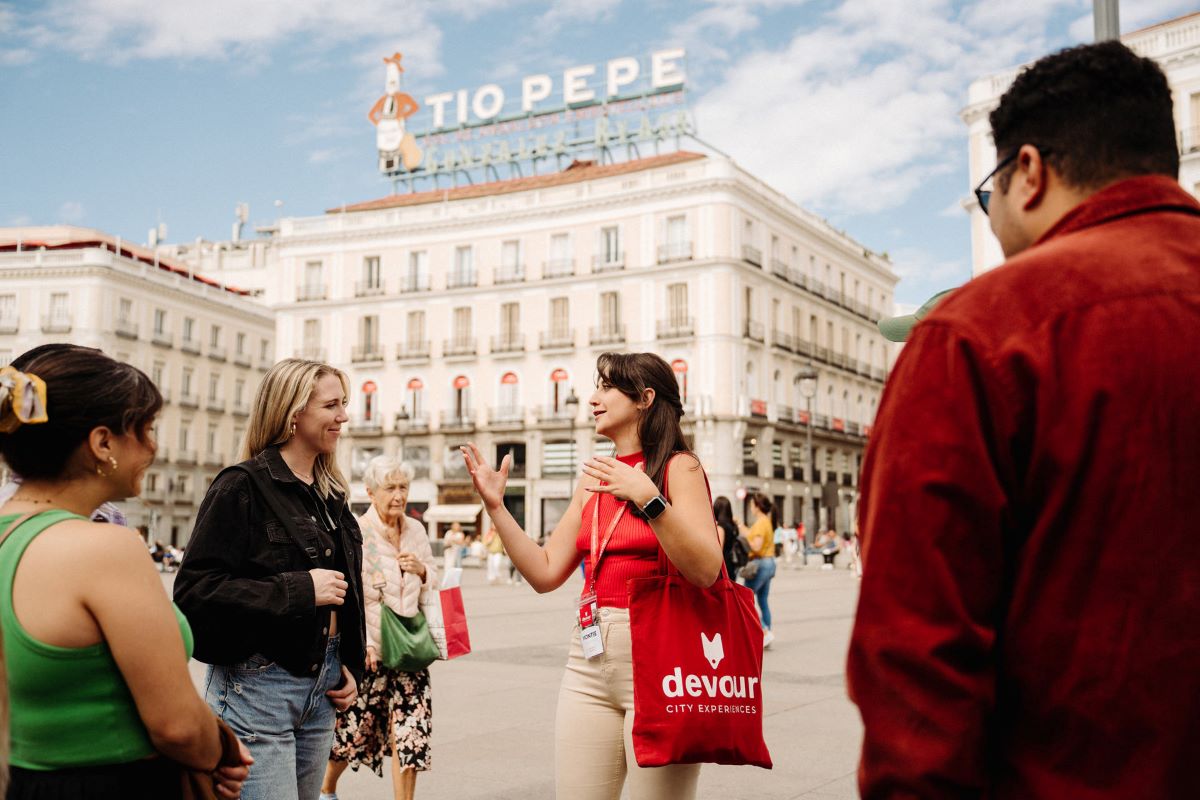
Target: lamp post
402,425
572,405
808,390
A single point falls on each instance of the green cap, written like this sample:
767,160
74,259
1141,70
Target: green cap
897,329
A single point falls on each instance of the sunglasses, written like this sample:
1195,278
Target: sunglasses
984,196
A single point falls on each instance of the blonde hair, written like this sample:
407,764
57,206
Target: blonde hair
284,393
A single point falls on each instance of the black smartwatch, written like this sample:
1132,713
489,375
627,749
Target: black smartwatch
655,508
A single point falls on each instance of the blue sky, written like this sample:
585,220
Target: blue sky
118,114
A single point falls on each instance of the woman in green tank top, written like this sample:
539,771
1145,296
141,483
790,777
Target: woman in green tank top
101,703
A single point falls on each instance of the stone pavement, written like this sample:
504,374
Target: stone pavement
493,710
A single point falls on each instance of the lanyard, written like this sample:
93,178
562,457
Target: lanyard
599,546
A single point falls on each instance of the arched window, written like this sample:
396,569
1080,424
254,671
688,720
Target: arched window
369,401
416,398
680,368
461,397
560,390
508,401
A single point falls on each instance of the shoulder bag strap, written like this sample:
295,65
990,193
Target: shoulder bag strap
285,519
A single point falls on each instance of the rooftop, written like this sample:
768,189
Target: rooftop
577,172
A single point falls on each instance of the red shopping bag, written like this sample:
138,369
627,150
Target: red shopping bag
697,672
447,620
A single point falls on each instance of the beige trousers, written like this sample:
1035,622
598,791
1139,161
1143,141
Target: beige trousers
593,731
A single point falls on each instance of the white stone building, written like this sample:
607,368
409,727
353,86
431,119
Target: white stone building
205,346
475,313
1174,44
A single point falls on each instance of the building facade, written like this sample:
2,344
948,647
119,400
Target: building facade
205,346
477,314
1175,45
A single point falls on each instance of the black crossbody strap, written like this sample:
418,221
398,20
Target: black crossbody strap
285,519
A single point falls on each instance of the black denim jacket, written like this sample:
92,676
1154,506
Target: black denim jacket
244,584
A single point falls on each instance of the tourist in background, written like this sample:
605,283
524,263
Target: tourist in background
453,545
723,513
762,559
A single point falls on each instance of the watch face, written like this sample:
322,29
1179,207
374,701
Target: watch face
655,508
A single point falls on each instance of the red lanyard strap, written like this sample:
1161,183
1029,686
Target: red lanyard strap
597,546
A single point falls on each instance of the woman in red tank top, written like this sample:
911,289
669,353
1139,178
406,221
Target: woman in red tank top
653,494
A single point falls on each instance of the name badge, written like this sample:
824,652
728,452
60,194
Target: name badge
589,637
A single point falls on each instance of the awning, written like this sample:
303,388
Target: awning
452,513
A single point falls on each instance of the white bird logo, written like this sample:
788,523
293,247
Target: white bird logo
714,649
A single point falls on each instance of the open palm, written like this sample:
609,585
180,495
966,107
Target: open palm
489,483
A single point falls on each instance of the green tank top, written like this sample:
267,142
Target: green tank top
68,706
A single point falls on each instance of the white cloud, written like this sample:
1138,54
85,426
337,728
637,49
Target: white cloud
326,155
20,220
70,211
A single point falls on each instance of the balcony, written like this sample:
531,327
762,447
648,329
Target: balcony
797,278
162,455
369,289
216,405
508,343
367,427
506,415
412,351
879,373
10,323
369,351
241,359
854,429
674,251
779,268
166,396
753,331
558,268
818,288
266,361
802,347
153,494
213,459
217,353
461,279
676,328
183,495
785,413
188,400
307,292
311,353
416,423
56,323
837,359
126,329
240,409
509,273
1189,140
415,283
459,347
615,263
606,335
190,346
752,255
460,420
821,353
185,457
758,408
556,340
821,421
781,340
554,414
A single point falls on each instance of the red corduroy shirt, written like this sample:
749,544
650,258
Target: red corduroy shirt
1029,622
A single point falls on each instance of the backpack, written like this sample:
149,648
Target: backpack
739,554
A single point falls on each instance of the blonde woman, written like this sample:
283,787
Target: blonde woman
271,583
393,715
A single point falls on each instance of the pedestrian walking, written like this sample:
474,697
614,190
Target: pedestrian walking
393,714
495,554
762,560
732,550
272,583
453,545
789,546
652,493
101,701
1009,641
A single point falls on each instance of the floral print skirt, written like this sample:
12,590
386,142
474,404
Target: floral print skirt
391,704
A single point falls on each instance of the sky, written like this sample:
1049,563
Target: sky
122,114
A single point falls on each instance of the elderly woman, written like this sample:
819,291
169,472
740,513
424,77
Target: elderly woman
394,711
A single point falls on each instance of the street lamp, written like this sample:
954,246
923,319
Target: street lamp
402,426
808,390
572,405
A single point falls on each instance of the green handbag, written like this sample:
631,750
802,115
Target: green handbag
405,642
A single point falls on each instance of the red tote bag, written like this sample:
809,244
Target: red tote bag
697,672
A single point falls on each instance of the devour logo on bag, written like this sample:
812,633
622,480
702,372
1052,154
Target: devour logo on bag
713,687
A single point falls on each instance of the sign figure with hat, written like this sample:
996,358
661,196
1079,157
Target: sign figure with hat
388,115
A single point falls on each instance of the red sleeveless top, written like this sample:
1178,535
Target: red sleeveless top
632,552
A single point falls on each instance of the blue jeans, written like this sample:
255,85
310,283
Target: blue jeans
760,584
285,721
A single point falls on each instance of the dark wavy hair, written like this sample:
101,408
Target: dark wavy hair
1099,112
85,389
658,428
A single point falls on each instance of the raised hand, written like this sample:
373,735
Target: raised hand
623,481
489,483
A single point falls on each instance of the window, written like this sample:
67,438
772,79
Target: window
750,456
461,396
680,368
560,322
210,442
778,470
677,245
677,304
368,332
312,276
464,261
462,326
415,327
156,374
8,306
214,336
517,451
418,271
416,398
797,325
125,309
610,245
775,304
241,344
264,350
560,248
510,321
238,435
189,328
560,390
214,387
312,336
510,256
372,278
185,434
509,393
610,312
151,481
6,357
359,458
557,458
185,383
239,391
58,306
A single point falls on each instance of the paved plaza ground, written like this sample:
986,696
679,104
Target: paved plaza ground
494,709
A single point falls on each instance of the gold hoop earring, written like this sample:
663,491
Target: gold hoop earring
293,430
112,461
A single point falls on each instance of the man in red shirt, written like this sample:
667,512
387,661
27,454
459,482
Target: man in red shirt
1029,622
